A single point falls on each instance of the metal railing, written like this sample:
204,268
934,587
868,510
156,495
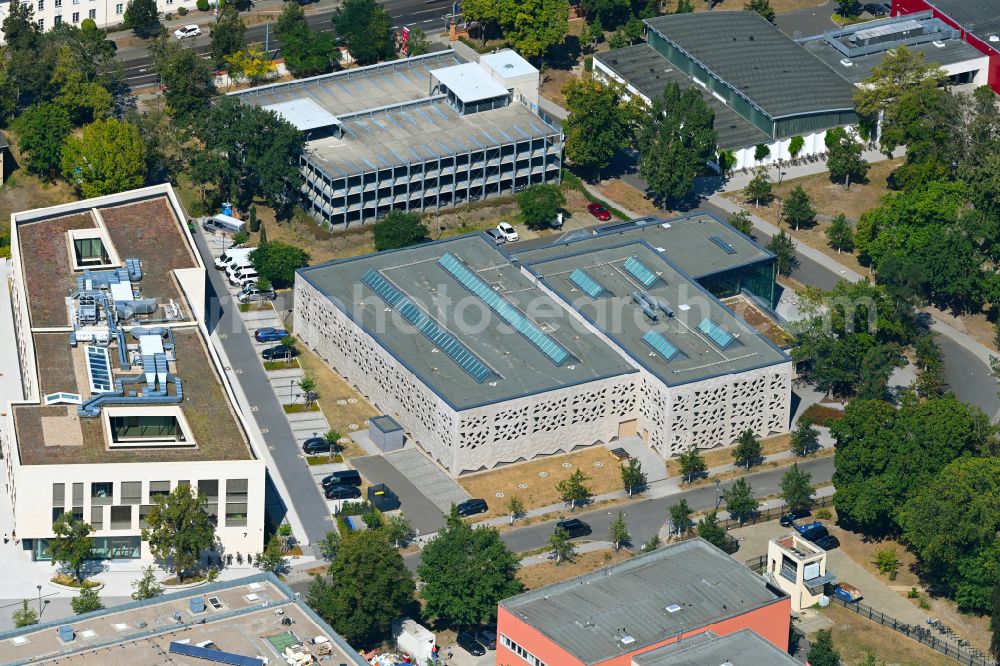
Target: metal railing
771,514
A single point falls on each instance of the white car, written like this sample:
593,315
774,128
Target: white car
186,31
508,232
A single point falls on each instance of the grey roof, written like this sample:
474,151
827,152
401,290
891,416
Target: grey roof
684,239
469,82
650,73
980,17
617,315
304,114
953,52
509,63
755,58
519,368
585,615
740,648
385,423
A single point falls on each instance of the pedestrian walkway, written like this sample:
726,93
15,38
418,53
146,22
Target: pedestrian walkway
428,478
653,465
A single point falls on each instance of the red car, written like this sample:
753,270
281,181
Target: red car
599,211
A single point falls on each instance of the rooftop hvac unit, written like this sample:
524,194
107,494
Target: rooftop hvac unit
846,62
938,43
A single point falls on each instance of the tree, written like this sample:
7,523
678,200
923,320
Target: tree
748,448
595,32
417,43
877,365
532,27
332,438
684,7
466,571
84,100
995,623
24,616
887,562
822,652
146,587
179,529
692,463
844,160
795,146
72,543
41,131
262,238
399,229
368,586
848,8
366,27
618,532
142,17
267,166
740,502
398,530
277,262
952,525
885,455
742,222
759,188
783,247
87,601
329,545
485,14
798,209
540,204
284,534
680,516
561,547
709,530
306,53
186,78
228,35
272,559
930,367
761,152
251,65
805,438
840,234
797,489
762,7
632,475
653,543
573,489
598,123
109,156
308,387
676,140
515,507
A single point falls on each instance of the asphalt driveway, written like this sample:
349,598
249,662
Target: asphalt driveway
423,514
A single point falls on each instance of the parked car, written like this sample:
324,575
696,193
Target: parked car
270,334
878,8
382,498
243,277
315,445
814,532
508,232
234,256
496,236
467,641
251,294
828,542
279,353
341,492
471,507
599,211
847,593
788,520
575,527
186,31
487,638
347,477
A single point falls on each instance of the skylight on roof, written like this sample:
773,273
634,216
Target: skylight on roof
666,349
639,271
727,248
715,333
589,285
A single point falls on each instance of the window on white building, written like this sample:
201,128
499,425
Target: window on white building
41,5
119,8
76,17
76,2
41,24
57,20
92,14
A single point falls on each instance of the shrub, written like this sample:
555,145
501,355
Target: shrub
202,5
588,63
88,24
913,593
182,11
168,16
823,514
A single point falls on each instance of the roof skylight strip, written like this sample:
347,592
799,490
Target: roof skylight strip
660,345
715,333
589,285
639,271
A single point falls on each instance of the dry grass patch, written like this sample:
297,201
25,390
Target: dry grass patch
818,414
22,191
539,575
541,490
855,636
723,455
332,388
754,316
618,192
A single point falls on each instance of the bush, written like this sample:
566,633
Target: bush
88,24
588,63
202,5
168,16
182,11
913,593
823,514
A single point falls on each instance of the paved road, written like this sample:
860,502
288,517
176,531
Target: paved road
426,14
223,317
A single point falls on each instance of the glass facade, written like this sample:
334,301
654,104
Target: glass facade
105,548
129,428
756,278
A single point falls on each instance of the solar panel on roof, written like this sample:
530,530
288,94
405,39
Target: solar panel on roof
545,344
218,656
589,285
441,338
729,249
721,338
639,271
99,369
660,345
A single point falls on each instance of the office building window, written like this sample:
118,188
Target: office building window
41,24
131,492
97,517
77,494
58,494
58,3
121,517
76,17
41,5
92,14
119,8
157,488
236,502
57,20
144,510
520,651
101,492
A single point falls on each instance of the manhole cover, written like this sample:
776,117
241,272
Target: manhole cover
341,402
344,440
522,486
499,494
567,465
543,474
353,426
598,463
352,400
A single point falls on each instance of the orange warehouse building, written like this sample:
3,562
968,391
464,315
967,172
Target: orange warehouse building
609,616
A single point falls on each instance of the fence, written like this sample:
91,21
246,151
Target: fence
771,514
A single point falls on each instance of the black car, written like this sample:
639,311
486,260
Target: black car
471,507
877,8
487,638
347,477
467,641
279,353
789,518
342,492
814,533
829,542
575,527
315,445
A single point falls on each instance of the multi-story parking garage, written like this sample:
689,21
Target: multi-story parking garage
487,358
428,132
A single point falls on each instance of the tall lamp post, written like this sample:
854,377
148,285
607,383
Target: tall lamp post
717,484
39,601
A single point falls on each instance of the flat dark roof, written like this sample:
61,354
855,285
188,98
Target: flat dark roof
953,52
980,17
754,57
650,73
740,648
681,587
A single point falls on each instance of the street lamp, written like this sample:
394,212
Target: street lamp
717,484
39,601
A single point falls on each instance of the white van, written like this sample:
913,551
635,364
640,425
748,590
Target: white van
224,223
243,275
234,256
